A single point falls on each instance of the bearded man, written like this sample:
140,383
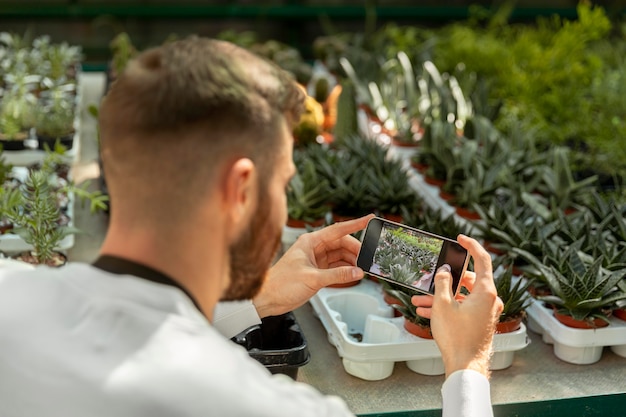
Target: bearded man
197,149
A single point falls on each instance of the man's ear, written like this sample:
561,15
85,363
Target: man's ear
240,193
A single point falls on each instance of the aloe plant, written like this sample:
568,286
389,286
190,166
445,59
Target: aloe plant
559,187
514,295
580,286
308,195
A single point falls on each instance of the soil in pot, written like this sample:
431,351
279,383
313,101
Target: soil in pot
417,330
58,259
569,321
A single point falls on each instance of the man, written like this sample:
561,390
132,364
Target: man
197,147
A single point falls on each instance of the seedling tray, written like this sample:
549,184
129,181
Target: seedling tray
12,244
577,346
278,343
370,340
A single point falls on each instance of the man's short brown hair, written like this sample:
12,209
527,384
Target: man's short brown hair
180,108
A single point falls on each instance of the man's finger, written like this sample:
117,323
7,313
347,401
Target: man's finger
338,230
422,300
482,261
468,280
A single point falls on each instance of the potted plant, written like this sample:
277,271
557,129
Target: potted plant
308,195
413,323
55,120
559,188
515,298
34,211
389,187
583,292
344,170
12,132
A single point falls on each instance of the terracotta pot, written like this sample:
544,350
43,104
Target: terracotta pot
445,196
402,144
342,218
434,181
417,330
620,313
393,217
303,224
467,213
490,248
569,321
391,301
538,291
421,168
510,325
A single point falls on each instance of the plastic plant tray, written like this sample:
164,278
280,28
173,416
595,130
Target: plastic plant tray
577,346
12,244
278,343
369,339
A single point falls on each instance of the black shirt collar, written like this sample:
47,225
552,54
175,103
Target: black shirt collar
121,266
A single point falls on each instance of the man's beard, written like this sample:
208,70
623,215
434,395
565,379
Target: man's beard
252,255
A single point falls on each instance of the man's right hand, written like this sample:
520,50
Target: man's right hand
464,329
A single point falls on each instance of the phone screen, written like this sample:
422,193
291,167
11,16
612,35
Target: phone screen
409,257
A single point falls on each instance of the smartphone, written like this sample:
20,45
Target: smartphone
409,257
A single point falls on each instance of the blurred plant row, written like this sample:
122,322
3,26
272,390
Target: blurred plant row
38,81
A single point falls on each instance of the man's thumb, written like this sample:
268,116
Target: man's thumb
443,283
341,275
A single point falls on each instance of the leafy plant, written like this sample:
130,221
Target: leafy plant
580,286
514,295
56,118
34,211
407,309
123,51
308,195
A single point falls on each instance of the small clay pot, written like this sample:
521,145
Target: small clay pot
569,321
417,330
510,325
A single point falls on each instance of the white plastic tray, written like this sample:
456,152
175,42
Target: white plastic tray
12,244
578,346
370,340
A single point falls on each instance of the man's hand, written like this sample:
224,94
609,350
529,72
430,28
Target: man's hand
314,261
463,328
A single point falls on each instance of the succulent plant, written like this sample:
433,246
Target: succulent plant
514,294
580,286
308,195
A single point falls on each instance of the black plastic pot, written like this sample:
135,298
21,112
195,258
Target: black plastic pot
67,141
277,343
12,144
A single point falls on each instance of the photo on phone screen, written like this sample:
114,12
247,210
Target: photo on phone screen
409,257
